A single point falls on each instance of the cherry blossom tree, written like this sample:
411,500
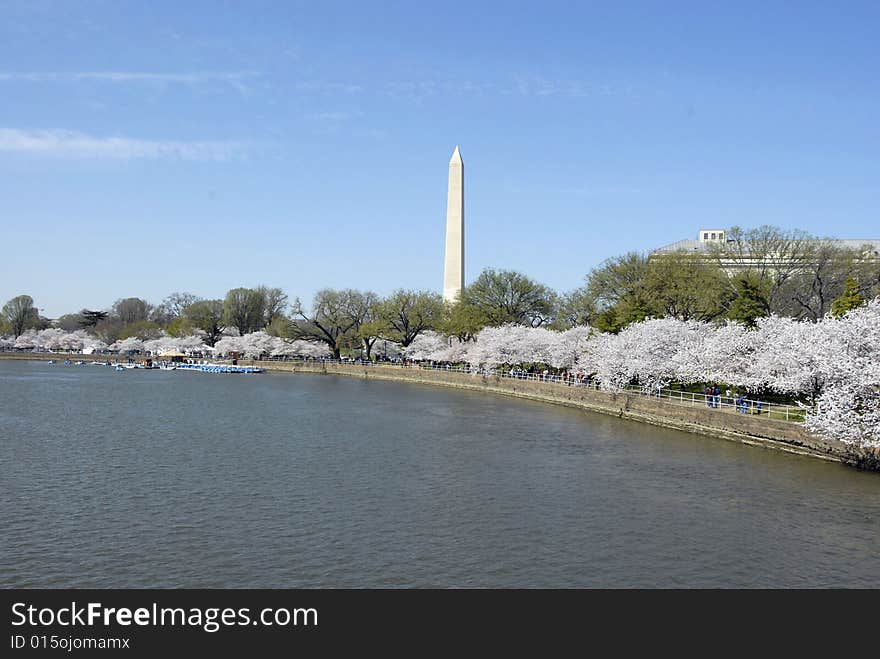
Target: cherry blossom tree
92,344
565,347
427,346
73,341
49,339
645,352
720,353
848,409
26,340
131,344
192,343
788,357
301,348
832,366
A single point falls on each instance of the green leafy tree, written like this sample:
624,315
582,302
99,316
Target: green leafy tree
69,322
132,310
810,292
141,329
244,309
632,308
208,316
176,304
751,301
616,290
369,332
629,288
108,329
91,318
280,326
21,314
180,326
769,257
462,320
336,318
405,314
848,300
576,307
616,279
275,303
506,296
683,286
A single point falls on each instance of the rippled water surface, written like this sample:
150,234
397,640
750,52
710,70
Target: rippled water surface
173,479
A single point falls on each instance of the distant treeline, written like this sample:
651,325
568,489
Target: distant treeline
754,274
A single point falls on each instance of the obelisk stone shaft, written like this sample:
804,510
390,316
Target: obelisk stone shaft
453,271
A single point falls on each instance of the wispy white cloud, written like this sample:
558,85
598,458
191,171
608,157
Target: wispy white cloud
72,144
325,87
538,86
331,122
193,78
430,87
518,86
335,116
418,89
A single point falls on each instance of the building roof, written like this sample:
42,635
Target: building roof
698,246
687,245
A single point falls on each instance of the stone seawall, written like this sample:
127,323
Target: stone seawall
768,433
61,356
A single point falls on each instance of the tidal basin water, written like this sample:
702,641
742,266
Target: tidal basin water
179,479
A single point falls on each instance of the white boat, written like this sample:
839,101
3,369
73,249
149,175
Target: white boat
119,367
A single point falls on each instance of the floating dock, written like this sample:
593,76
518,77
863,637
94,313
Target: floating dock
218,368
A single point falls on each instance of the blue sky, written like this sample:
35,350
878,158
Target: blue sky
153,147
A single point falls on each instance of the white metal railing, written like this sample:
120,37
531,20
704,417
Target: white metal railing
722,401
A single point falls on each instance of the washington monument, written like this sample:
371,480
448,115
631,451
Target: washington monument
453,270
